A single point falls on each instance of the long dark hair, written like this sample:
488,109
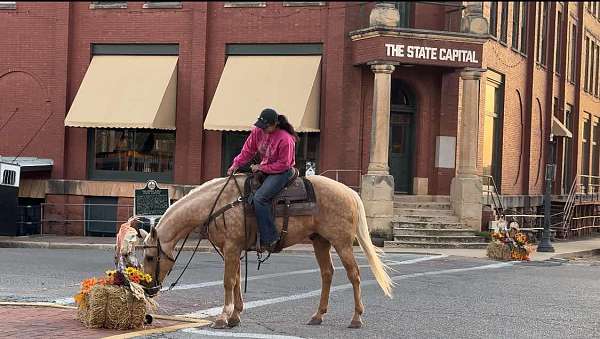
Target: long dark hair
285,125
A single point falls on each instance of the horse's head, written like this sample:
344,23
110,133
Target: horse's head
157,262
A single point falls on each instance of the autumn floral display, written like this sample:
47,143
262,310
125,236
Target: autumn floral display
509,244
116,278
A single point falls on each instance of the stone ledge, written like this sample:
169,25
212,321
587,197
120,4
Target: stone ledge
303,3
8,5
162,4
242,4
109,5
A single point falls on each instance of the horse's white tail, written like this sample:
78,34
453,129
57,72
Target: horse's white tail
373,253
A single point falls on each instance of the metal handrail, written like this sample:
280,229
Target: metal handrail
496,198
569,207
581,191
44,207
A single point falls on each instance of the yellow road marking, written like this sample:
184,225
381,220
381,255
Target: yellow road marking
166,329
36,304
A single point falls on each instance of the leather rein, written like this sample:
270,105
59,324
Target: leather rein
204,234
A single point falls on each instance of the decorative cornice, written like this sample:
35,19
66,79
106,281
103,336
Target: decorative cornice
469,73
387,68
380,31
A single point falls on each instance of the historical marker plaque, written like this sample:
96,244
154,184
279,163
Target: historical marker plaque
151,200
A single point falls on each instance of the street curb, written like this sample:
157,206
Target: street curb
595,251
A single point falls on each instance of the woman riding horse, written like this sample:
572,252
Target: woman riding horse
274,138
340,220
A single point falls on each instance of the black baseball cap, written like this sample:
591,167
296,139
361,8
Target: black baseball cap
267,117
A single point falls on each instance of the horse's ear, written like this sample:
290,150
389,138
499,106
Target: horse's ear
143,233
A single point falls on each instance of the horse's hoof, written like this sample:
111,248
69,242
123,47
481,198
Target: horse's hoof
220,324
233,322
315,321
355,324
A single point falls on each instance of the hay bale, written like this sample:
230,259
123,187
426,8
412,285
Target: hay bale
499,251
112,307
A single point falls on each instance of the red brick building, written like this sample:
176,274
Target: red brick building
539,60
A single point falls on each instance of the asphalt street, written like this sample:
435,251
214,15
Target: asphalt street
435,296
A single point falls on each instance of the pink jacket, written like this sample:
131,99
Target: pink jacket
277,150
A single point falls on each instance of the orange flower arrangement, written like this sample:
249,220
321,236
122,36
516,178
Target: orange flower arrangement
86,287
113,277
517,241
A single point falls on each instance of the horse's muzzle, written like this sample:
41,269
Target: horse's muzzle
152,291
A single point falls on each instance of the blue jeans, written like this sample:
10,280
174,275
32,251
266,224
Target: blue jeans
263,205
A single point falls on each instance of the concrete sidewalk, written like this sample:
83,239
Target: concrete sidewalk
563,249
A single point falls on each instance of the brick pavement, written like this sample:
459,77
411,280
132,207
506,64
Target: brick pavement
51,322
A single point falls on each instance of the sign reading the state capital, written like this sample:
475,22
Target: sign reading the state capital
431,53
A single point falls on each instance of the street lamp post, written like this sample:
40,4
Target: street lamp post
545,245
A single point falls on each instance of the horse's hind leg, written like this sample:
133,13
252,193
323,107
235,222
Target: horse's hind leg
347,257
322,253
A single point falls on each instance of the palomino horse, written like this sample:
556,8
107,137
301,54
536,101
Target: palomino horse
341,219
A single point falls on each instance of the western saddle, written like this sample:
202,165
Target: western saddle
297,198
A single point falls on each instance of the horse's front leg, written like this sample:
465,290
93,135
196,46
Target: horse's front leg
238,306
232,263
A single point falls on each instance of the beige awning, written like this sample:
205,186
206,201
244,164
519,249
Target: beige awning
288,84
123,91
559,129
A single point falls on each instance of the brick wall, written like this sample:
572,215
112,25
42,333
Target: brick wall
46,49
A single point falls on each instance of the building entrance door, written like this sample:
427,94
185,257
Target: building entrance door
401,152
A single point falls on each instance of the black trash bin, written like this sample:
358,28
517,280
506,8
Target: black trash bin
9,196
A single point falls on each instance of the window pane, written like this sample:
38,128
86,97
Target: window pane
404,10
544,37
515,26
558,43
587,64
307,153
524,22
493,18
573,55
504,21
134,150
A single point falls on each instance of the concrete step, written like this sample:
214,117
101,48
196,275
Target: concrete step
423,205
421,212
458,232
427,224
422,198
426,218
407,244
428,239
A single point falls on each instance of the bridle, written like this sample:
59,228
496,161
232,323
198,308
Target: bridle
153,290
204,234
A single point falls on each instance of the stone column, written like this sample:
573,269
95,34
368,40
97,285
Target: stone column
377,189
466,188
